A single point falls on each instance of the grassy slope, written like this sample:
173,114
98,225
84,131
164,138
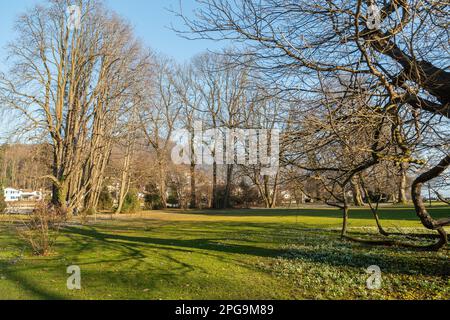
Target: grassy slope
256,254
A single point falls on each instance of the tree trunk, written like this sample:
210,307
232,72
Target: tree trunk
344,220
162,183
59,195
215,204
59,185
374,210
402,185
345,210
356,192
421,211
226,198
125,180
193,202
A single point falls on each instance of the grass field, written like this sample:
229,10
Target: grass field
237,254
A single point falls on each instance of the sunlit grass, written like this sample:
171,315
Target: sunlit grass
234,254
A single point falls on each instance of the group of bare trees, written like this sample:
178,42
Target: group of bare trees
361,106
376,85
71,86
23,166
209,91
82,91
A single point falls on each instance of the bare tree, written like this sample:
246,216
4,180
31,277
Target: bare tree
298,43
159,117
71,84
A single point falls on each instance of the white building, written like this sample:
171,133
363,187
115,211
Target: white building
11,195
14,195
30,195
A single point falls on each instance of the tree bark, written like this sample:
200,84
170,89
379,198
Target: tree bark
125,179
421,210
215,204
344,220
162,182
356,192
193,202
226,198
402,185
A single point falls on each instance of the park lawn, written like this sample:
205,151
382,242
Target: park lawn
235,254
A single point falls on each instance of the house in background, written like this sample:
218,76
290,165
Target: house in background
29,195
11,195
14,195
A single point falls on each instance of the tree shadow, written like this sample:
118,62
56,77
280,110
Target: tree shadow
213,244
312,245
12,273
216,239
389,213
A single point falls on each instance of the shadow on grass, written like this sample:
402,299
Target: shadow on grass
27,273
190,244
15,273
312,245
389,213
106,247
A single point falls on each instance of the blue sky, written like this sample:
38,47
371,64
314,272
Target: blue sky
149,17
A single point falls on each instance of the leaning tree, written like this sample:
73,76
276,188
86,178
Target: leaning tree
400,47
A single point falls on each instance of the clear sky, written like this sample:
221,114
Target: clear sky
150,19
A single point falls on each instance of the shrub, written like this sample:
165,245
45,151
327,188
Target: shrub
3,205
153,202
246,197
242,196
41,229
131,203
105,201
152,199
173,200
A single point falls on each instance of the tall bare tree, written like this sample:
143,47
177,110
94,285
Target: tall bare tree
70,82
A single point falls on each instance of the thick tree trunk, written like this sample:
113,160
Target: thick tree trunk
124,180
402,199
356,192
226,198
421,211
59,184
59,196
271,194
124,188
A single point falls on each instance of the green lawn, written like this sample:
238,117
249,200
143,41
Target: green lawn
242,254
